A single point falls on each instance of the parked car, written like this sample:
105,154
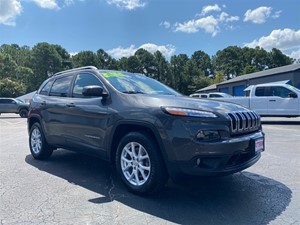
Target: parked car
12,105
271,99
211,95
148,130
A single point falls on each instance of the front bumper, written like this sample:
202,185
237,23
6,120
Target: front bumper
218,158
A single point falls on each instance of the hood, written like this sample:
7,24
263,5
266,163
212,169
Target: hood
189,103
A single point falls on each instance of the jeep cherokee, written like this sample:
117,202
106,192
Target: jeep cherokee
148,130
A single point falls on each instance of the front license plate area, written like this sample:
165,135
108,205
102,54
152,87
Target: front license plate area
259,145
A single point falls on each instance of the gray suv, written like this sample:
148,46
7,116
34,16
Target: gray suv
12,105
147,130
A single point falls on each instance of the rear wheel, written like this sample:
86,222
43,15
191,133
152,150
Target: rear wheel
39,148
139,164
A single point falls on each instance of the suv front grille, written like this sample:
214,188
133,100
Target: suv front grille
244,121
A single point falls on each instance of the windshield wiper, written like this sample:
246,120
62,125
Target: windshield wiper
133,92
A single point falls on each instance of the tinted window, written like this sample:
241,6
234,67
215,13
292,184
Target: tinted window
280,92
7,101
261,91
215,96
82,80
61,86
45,90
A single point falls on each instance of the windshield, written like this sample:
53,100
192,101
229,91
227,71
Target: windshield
131,83
18,100
294,89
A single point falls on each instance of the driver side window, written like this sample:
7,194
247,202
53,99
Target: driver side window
82,80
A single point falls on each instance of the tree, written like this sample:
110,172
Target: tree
177,69
105,61
199,82
229,61
65,57
8,66
203,62
249,69
123,63
163,72
10,88
279,59
133,65
45,62
219,77
21,55
85,58
147,63
255,57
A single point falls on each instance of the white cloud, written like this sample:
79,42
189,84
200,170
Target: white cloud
47,4
166,24
276,14
166,50
209,24
295,54
286,39
127,4
210,8
9,10
259,15
224,17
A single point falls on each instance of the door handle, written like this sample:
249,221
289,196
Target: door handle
43,103
70,105
272,100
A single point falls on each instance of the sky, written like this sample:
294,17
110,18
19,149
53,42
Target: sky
120,27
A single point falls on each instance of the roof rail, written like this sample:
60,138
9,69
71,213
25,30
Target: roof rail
75,69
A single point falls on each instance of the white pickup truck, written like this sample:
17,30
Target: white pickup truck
271,99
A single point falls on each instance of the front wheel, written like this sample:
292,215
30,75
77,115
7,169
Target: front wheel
39,148
23,113
139,164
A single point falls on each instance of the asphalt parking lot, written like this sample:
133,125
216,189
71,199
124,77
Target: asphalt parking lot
71,188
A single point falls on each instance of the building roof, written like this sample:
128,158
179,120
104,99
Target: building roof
208,88
282,69
269,72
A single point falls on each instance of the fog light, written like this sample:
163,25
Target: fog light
208,135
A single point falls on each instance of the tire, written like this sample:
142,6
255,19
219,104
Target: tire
140,165
23,113
39,148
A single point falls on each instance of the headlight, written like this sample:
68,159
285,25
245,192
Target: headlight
188,112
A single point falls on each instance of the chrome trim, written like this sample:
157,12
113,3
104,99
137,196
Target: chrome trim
243,121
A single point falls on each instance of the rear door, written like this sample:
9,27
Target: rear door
53,99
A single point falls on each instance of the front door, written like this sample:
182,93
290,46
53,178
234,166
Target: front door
86,117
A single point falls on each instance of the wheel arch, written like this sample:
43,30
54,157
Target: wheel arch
126,127
32,120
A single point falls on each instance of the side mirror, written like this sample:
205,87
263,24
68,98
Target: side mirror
292,95
94,90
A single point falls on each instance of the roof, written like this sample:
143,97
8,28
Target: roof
269,72
208,88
